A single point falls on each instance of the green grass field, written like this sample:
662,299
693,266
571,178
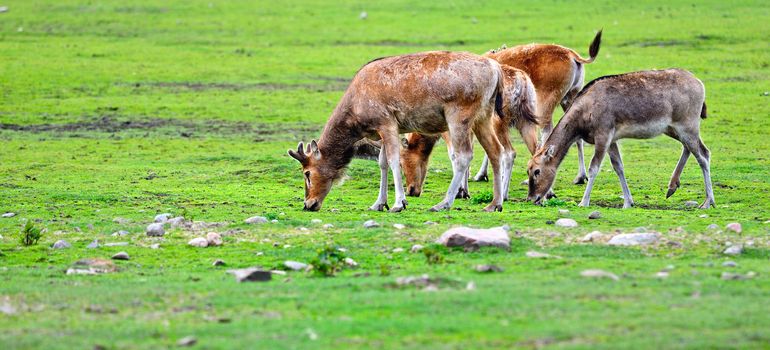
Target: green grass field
128,109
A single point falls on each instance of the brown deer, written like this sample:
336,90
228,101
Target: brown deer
428,93
637,105
557,73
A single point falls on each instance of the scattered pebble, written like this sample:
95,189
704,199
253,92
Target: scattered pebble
218,262
736,249
363,15
690,204
334,210
93,245
91,267
278,272
416,248
713,227
398,250
430,223
121,233
155,246
275,221
3,9
595,215
327,226
629,239
199,242
595,273
737,276
399,226
563,212
316,221
121,256
350,262
295,265
371,224
122,221
703,216
729,263
594,236
487,268
662,274
251,274
539,255
734,226
115,244
162,218
213,239
8,215
256,220
187,341
474,238
640,229
564,222
176,222
155,230
61,244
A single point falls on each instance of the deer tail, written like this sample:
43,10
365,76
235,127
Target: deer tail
593,49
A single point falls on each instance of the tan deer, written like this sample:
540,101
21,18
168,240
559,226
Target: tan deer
637,105
428,93
557,73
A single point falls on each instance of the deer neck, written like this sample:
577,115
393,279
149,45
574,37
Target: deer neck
561,138
337,142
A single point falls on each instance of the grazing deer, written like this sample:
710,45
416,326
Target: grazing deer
637,105
428,93
557,73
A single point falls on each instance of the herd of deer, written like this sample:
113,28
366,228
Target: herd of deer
456,95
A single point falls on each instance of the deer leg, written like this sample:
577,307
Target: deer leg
481,175
382,198
673,184
494,150
593,170
617,164
581,175
507,156
391,143
703,156
461,155
464,191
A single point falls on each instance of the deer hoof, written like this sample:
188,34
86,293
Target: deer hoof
399,208
479,178
439,207
707,204
462,193
379,207
493,208
580,180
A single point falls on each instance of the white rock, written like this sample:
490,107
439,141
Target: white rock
327,226
155,230
595,215
539,255
162,218
703,216
733,250
729,263
199,242
93,245
629,239
469,237
564,222
8,215
662,274
275,221
713,227
61,244
176,222
563,212
398,250
691,204
316,221
295,265
734,226
594,236
429,223
213,239
350,262
121,256
252,274
416,248
371,224
186,341
121,233
595,273
256,220
155,246
399,226
363,15
218,262
115,244
122,221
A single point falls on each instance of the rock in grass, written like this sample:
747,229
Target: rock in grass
162,218
61,244
121,256
122,221
595,215
8,215
729,263
251,274
218,262
121,233
474,238
594,236
256,220
199,242
429,223
350,262
398,250
91,267
316,221
487,268
187,341
735,227
399,226
736,249
328,226
713,227
564,222
563,212
155,230
116,244
295,265
93,245
214,239
737,276
371,224
690,204
629,239
539,255
416,248
176,222
596,273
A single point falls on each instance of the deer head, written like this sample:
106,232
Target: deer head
318,174
542,172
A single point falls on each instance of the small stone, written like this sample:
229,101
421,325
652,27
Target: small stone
275,221
631,239
91,267
121,256
155,230
213,239
187,341
3,9
729,263
662,274
549,222
316,221
218,262
566,223
429,223
115,244
703,216
371,224
399,226
690,204
251,274
122,221
155,246
295,265
327,226
334,210
416,248
199,242
563,212
595,215
640,229
363,15
121,233
278,272
61,244
162,218
594,236
8,215
735,227
304,229
539,255
507,227
713,227
474,238
737,276
487,268
350,262
736,249
176,222
256,220
595,273
93,245
398,250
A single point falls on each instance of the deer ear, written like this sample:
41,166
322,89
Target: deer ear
404,142
314,149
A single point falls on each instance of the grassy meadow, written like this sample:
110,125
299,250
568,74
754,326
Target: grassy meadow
112,112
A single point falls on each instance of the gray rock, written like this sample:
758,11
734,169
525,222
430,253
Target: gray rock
295,265
121,221
735,227
256,220
398,250
61,244
155,230
691,204
729,263
121,256
91,267
474,238
121,233
218,262
564,222
350,262
155,246
176,221
3,9
640,229
371,224
563,212
487,268
539,255
737,276
187,341
416,248
736,249
629,239
595,215
251,274
199,242
8,215
116,244
162,218
328,226
399,226
214,239
316,221
713,227
594,236
429,223
93,245
596,273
